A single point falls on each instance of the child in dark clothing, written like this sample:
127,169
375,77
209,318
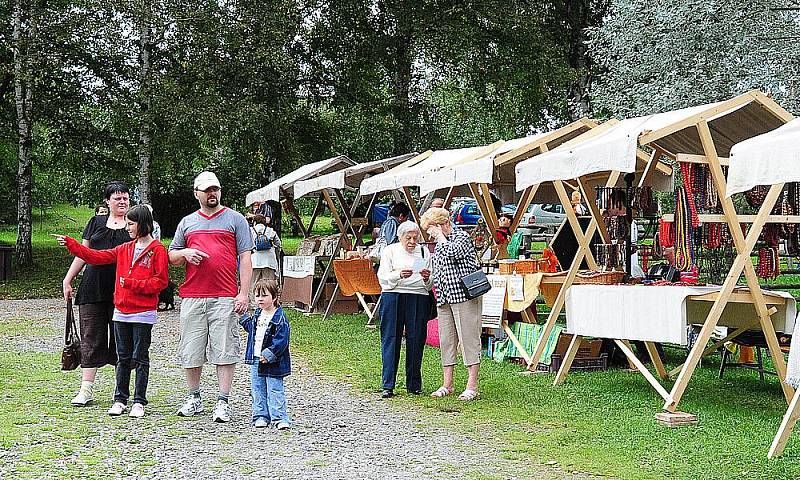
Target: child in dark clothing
268,354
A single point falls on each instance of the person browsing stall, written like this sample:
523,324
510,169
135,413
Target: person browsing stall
142,268
459,317
210,242
405,278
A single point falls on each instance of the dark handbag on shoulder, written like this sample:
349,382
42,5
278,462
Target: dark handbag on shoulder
476,284
71,355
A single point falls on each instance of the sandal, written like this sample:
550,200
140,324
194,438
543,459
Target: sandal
469,395
442,392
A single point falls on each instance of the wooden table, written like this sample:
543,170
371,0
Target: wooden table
662,314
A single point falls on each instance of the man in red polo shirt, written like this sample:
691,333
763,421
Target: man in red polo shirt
211,242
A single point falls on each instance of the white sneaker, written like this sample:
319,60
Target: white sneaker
222,412
117,409
282,425
261,422
84,397
193,406
137,411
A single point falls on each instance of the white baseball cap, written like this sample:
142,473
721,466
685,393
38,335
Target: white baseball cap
206,180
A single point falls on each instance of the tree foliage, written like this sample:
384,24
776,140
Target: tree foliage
659,56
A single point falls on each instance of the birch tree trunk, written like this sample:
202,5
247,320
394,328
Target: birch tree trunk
145,99
23,97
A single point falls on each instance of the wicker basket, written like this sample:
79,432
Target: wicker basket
530,266
599,278
506,266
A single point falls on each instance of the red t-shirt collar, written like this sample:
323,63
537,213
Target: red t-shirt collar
207,217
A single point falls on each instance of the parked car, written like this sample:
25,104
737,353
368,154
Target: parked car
468,213
543,217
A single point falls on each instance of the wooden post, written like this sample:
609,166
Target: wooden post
569,356
315,213
287,202
787,425
334,212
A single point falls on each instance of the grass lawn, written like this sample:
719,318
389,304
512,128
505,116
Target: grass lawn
598,422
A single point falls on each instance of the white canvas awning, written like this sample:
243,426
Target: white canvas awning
412,176
286,182
614,149
477,171
767,159
350,177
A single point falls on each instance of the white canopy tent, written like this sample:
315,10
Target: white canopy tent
411,175
282,185
767,159
350,177
695,135
282,189
615,149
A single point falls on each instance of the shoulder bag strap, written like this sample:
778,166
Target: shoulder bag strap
70,329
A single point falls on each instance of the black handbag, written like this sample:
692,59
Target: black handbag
476,284
71,355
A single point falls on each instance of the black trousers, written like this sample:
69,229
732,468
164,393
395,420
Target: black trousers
133,353
399,312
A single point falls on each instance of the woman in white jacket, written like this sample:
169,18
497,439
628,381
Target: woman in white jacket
405,279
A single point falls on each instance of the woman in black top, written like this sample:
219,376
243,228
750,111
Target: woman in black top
95,297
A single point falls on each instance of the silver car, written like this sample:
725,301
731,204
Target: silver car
543,217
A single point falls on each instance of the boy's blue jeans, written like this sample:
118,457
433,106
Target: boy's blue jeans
269,399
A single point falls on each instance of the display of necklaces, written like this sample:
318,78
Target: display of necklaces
609,255
684,241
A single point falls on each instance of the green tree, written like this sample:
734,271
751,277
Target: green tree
659,56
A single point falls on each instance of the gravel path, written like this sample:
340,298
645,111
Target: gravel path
337,433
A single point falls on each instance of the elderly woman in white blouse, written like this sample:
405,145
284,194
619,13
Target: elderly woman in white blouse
405,279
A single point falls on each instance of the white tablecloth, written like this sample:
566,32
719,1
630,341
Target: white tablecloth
657,313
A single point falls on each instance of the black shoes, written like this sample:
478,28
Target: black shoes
387,393
415,392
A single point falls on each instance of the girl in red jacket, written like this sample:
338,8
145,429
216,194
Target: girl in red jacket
141,272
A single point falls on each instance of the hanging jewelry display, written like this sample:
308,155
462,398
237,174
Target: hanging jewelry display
616,227
688,174
756,195
768,263
608,256
712,198
666,233
712,237
647,204
684,249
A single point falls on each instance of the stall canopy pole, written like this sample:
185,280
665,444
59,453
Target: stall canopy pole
317,210
289,206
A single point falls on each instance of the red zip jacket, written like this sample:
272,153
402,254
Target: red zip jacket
143,281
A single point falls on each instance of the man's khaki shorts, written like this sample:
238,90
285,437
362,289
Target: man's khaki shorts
208,324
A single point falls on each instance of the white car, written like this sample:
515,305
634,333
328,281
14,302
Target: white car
543,217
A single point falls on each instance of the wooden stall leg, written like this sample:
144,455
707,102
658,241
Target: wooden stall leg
714,347
330,302
515,341
627,343
569,356
656,359
640,366
787,425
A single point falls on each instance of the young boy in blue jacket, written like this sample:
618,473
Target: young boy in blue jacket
268,354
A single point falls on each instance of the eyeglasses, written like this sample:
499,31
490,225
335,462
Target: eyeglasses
208,190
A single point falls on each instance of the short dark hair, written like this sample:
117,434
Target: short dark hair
143,218
398,209
116,187
99,206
